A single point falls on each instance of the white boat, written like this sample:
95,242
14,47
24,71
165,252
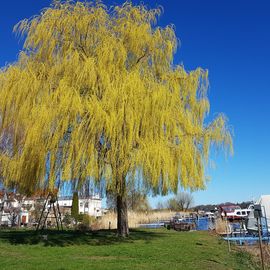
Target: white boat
239,214
252,225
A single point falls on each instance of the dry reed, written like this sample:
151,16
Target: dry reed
134,218
221,226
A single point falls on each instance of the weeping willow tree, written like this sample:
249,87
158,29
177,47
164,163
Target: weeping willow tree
95,90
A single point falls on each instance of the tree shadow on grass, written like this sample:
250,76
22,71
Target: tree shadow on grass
69,238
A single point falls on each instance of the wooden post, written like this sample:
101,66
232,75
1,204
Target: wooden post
260,240
43,209
227,229
56,216
60,216
45,220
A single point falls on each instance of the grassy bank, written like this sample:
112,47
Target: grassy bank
144,249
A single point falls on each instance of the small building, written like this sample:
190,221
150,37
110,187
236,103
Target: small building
89,205
12,209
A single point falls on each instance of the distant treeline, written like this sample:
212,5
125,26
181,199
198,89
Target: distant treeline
212,207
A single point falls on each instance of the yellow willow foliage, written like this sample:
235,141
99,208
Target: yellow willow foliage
96,89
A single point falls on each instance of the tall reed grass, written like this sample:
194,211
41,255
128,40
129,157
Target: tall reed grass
134,218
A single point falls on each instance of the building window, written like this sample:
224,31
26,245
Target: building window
86,205
81,204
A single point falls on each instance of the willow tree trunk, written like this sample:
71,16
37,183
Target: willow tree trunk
121,206
122,216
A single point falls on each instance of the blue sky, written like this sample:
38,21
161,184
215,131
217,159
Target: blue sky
232,40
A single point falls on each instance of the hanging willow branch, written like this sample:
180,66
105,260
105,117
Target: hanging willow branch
74,73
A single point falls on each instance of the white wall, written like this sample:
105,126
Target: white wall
90,206
65,203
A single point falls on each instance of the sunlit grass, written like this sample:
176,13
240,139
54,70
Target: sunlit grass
144,249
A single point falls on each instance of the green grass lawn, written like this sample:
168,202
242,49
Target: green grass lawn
144,249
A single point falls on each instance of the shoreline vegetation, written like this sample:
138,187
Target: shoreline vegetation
135,218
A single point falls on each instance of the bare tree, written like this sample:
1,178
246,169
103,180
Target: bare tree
136,201
14,213
160,205
181,202
36,212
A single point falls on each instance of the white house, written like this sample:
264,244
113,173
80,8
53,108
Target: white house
12,210
9,209
90,205
16,209
29,203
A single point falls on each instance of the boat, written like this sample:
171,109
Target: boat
228,210
251,222
239,214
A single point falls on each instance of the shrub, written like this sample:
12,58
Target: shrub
67,220
85,222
